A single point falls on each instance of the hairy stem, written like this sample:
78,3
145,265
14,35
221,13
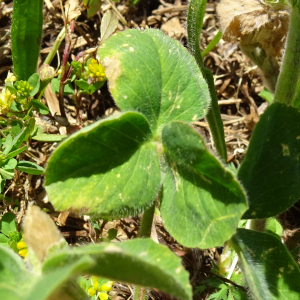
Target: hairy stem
195,16
290,71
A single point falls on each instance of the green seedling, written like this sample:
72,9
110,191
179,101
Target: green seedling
9,234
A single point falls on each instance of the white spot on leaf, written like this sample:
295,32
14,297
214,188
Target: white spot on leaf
131,49
112,70
285,150
195,117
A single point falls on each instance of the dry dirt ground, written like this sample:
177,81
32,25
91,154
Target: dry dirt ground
237,82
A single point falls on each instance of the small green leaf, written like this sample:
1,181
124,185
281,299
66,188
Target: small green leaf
274,227
16,127
8,144
90,89
270,172
155,75
108,168
200,196
40,107
44,137
8,223
270,271
34,81
16,152
93,7
139,261
30,168
268,96
112,234
9,164
7,174
83,85
68,89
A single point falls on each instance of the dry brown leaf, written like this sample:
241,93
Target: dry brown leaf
72,10
40,232
253,22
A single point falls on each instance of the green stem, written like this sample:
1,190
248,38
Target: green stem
147,220
145,232
212,43
290,71
55,46
195,16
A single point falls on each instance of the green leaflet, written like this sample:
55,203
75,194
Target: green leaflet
270,271
270,172
200,196
26,35
111,169
150,73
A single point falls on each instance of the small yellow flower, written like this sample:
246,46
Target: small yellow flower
6,100
97,70
103,296
23,251
107,286
10,77
95,282
91,292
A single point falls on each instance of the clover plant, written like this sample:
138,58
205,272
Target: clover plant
150,156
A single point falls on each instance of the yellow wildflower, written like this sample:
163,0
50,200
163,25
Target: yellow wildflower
97,70
23,251
107,286
6,100
10,77
95,282
103,296
91,292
